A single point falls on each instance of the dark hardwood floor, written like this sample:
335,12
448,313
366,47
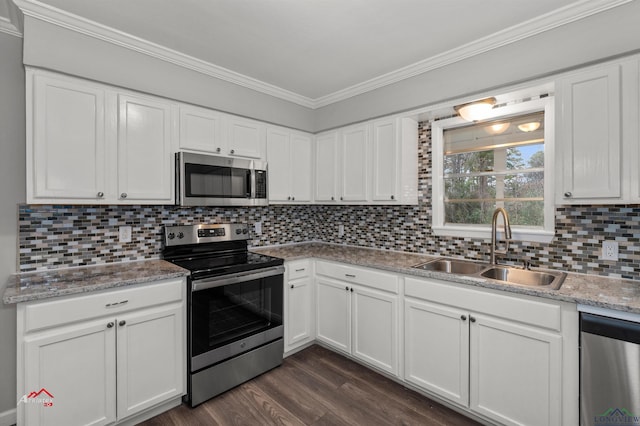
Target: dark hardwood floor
316,387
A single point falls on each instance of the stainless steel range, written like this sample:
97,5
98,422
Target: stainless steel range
235,306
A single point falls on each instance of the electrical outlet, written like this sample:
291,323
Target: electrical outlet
125,234
340,230
258,228
609,250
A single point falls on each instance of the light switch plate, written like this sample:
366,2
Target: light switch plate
124,234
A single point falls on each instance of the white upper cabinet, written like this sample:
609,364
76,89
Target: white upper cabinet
90,144
246,138
145,166
371,163
66,158
597,135
327,170
590,135
395,161
354,149
200,129
289,157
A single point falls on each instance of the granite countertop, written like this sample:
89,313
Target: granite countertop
594,290
64,282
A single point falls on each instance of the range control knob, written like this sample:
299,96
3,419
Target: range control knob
171,235
238,231
180,235
245,231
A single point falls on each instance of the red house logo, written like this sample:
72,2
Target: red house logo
43,396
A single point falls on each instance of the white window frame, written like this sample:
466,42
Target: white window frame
520,233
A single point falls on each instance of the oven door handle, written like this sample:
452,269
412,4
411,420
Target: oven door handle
199,285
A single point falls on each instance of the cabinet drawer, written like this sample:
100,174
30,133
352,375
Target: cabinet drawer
357,275
533,312
298,269
51,313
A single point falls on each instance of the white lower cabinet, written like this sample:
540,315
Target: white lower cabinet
299,307
101,358
358,313
499,356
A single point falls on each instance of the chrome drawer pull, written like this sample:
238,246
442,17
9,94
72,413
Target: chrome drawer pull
110,305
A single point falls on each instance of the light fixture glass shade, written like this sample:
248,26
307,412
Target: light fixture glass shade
477,110
529,127
497,128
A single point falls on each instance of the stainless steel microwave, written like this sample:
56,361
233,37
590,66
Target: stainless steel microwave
208,180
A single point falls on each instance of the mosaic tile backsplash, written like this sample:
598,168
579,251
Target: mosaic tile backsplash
64,236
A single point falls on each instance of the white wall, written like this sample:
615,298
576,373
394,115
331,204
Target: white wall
610,33
12,192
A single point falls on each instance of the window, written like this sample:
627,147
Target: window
505,161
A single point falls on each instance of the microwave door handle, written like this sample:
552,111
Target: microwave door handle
252,183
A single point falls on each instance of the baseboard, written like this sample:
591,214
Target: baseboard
8,418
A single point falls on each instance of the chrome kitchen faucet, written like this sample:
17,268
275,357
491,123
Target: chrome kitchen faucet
507,233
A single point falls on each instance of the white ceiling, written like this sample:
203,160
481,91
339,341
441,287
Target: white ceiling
315,48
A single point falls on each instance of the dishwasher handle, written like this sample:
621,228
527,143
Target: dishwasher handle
613,328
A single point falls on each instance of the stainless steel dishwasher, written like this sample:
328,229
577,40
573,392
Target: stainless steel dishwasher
609,370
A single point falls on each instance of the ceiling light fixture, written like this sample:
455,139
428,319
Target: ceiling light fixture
476,110
529,127
498,128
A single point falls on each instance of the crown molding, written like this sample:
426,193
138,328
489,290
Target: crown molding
8,28
11,19
52,15
554,19
576,11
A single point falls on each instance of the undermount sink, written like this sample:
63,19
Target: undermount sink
525,277
504,274
451,266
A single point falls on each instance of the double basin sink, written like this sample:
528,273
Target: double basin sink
504,274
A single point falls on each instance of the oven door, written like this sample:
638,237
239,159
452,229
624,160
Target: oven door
233,314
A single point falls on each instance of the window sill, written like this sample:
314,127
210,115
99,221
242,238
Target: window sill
530,235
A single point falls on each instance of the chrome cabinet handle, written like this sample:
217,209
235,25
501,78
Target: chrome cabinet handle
349,275
233,151
393,197
568,194
347,288
289,197
341,198
463,317
122,302
123,195
333,198
121,323
291,285
218,149
100,194
293,198
110,325
472,319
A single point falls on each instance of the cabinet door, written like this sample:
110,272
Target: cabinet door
437,349
326,166
151,358
298,321
66,156
375,328
246,138
515,374
385,161
200,130
77,366
145,166
301,167
354,149
590,136
279,159
333,313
